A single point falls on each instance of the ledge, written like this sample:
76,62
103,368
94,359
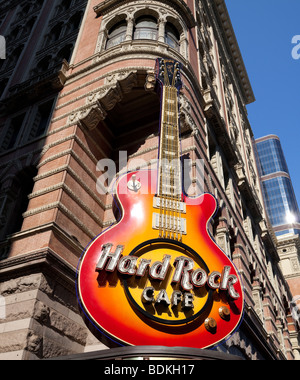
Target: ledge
152,352
232,44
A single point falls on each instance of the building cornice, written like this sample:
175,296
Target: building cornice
230,38
266,138
108,5
289,239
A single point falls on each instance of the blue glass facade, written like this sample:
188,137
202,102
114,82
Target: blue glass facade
271,157
278,192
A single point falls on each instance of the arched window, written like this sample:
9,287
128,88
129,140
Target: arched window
15,34
64,53
146,28
29,26
117,34
37,4
43,65
172,37
74,22
65,4
15,56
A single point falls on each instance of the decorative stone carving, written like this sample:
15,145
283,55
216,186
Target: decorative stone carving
187,123
93,117
99,102
150,82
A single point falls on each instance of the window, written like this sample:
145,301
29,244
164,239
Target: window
54,34
13,132
271,157
146,28
43,65
74,22
14,57
15,34
116,34
28,27
144,24
172,37
280,200
65,53
41,120
66,4
17,201
3,84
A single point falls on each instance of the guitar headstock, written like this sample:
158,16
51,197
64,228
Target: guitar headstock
168,72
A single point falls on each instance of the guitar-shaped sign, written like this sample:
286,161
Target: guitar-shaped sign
157,277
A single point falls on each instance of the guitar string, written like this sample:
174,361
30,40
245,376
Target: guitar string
167,163
173,225
171,201
166,159
177,147
162,220
173,173
170,213
160,174
172,169
178,175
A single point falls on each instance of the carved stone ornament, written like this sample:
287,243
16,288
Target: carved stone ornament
103,100
187,123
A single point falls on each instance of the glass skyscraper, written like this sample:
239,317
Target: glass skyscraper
278,192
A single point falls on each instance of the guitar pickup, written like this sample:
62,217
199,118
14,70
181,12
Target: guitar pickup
170,205
169,223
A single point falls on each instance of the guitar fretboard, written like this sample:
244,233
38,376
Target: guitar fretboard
169,221
169,158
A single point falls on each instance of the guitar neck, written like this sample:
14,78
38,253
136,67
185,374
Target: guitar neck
169,158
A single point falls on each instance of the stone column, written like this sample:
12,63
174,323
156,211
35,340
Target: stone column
161,29
130,26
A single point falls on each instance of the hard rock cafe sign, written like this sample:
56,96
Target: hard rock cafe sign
157,277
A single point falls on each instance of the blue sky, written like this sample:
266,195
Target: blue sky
264,30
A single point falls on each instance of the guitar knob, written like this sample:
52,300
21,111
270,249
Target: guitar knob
210,325
224,313
133,184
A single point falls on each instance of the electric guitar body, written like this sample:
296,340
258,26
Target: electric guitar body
157,277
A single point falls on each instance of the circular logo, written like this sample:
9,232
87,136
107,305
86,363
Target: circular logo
169,285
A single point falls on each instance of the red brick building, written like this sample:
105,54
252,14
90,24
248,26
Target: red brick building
98,81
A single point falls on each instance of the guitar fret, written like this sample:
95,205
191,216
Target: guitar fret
170,137
170,101
169,153
170,113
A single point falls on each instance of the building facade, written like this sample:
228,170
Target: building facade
278,192
80,88
283,211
